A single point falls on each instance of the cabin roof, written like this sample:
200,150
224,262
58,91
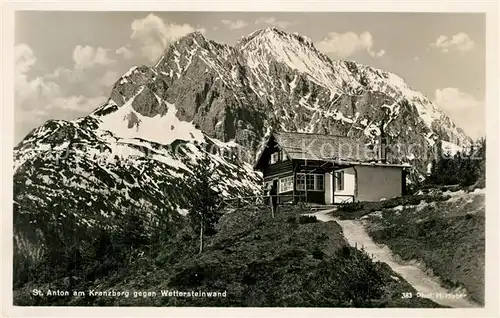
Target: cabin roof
333,148
323,147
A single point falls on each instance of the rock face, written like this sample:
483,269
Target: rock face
136,149
271,78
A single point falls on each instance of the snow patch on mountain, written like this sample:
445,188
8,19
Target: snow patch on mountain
161,129
450,148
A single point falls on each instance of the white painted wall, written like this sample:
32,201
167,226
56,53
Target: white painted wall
328,188
349,186
375,183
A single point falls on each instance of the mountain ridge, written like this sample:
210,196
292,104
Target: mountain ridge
239,82
202,97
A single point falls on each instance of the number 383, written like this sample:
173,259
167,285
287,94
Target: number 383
406,295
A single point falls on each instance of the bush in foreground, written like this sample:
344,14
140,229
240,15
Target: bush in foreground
304,219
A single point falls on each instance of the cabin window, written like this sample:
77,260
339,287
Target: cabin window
339,180
301,182
275,157
311,182
286,184
319,182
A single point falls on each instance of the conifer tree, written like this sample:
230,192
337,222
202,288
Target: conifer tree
465,168
204,200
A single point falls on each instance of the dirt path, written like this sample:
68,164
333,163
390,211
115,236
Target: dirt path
426,285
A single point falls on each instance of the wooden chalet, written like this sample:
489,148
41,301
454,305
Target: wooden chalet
327,169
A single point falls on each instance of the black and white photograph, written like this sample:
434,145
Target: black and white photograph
323,159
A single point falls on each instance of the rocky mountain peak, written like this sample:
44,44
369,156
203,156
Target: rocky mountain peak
190,39
270,77
274,37
274,33
271,74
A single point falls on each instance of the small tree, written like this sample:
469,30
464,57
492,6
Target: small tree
204,200
465,167
480,163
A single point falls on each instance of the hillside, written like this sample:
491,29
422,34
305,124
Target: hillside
258,261
72,177
445,233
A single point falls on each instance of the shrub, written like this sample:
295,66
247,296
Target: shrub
464,168
347,279
303,219
291,219
53,247
350,206
317,253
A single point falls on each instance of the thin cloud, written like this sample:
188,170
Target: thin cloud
377,54
53,95
77,104
109,78
125,52
234,25
151,35
273,21
464,109
459,42
30,89
88,56
347,44
451,98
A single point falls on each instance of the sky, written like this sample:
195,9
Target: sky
66,62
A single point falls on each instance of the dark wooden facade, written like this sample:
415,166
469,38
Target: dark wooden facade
278,170
272,172
291,162
287,168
